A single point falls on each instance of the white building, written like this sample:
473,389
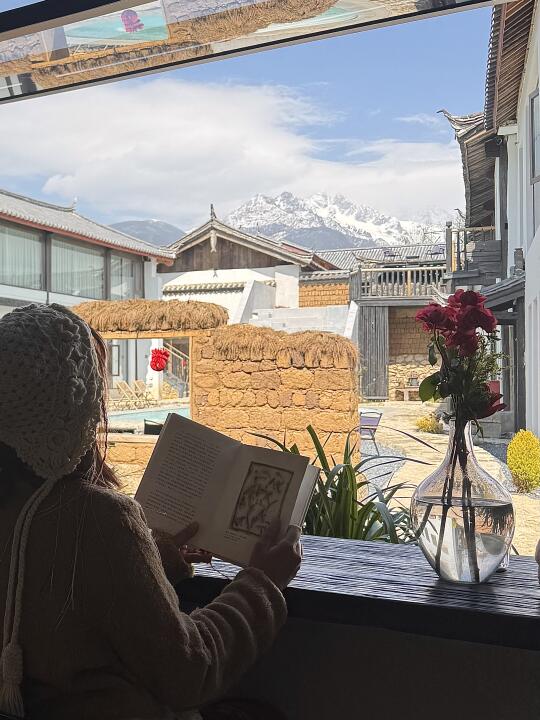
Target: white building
52,254
255,278
501,166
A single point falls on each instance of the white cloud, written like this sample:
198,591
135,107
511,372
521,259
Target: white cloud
424,119
166,148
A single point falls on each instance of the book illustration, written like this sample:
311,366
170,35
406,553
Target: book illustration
261,498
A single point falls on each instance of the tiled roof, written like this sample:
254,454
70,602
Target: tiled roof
66,221
509,44
350,258
478,167
325,276
178,287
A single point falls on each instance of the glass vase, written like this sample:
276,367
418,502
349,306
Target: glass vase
463,516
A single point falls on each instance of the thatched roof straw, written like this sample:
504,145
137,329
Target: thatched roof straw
97,64
188,39
245,20
109,316
303,349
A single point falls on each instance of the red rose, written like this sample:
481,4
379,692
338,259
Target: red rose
465,342
158,361
465,297
437,317
471,317
471,297
455,299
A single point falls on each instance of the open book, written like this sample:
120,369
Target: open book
232,490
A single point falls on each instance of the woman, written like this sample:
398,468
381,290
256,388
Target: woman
92,628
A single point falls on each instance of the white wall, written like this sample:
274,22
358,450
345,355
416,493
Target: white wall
521,230
257,295
152,281
286,278
287,286
512,207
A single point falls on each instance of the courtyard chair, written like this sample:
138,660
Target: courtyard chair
368,423
129,395
116,400
142,391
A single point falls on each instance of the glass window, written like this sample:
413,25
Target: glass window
126,277
535,137
21,257
75,48
535,158
77,269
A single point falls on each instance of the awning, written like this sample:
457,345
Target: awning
48,46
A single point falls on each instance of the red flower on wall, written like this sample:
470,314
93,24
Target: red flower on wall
158,361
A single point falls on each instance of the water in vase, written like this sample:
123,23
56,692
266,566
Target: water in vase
463,542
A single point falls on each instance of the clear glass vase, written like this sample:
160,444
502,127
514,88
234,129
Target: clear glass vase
464,517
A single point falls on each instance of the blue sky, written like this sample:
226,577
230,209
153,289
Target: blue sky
11,4
374,77
355,115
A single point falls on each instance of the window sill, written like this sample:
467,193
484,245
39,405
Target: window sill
392,587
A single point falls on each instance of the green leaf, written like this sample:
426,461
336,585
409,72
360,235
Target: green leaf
428,386
432,354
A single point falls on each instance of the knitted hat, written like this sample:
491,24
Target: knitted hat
50,390
50,403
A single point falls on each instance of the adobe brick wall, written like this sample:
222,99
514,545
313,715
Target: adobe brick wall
274,396
407,350
319,294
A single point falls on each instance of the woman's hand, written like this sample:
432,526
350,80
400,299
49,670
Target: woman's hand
177,555
280,561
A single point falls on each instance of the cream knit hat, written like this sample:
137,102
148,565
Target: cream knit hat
50,390
50,404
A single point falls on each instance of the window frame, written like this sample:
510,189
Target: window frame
535,96
81,244
138,260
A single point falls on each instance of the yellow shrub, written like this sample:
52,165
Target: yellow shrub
429,423
523,458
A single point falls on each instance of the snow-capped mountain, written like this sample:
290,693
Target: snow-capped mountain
328,221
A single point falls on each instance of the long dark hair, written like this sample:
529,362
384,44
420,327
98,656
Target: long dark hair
102,474
92,468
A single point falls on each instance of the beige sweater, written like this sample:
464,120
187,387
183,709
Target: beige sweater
102,633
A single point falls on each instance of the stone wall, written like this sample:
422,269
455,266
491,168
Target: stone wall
407,352
317,294
276,393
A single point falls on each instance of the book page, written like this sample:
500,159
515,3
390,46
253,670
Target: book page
262,485
185,475
304,496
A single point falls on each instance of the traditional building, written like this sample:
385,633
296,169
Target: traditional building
50,253
244,272
500,150
369,295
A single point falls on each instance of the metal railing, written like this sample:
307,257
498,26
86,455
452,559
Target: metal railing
177,370
400,281
465,246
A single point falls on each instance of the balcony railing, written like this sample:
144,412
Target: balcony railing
396,282
471,249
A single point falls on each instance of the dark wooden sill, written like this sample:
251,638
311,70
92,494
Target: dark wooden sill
393,587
